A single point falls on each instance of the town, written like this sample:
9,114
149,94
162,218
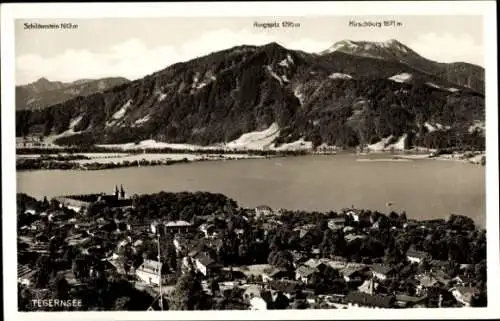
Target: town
201,251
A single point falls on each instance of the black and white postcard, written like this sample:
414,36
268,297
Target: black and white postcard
250,160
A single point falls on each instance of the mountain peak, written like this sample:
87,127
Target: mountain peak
349,45
273,46
390,49
42,80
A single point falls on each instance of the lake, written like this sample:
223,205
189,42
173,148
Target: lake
424,188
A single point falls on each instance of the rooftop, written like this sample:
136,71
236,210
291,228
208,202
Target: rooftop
417,254
365,299
304,270
382,268
177,223
409,298
206,260
150,266
24,271
263,208
466,292
272,271
285,286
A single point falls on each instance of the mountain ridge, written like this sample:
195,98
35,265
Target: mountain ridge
395,50
43,93
336,98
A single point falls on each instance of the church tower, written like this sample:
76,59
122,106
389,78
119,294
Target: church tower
122,192
116,192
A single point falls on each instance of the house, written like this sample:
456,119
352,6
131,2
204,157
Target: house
352,237
428,281
79,206
353,273
30,212
40,247
208,230
337,264
466,266
263,210
206,265
382,271
336,223
257,297
354,214
304,229
463,294
239,232
258,303
154,227
315,252
187,264
316,264
417,256
274,273
298,258
149,272
303,273
124,242
38,226
407,301
178,227
441,277
137,245
369,287
377,301
179,244
25,275
183,244
287,287
138,227
437,265
215,243
348,229
462,281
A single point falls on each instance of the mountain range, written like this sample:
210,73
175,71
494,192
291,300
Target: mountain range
354,93
44,93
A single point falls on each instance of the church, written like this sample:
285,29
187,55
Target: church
80,203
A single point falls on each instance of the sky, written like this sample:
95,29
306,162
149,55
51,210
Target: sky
136,47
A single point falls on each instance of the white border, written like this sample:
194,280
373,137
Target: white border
9,12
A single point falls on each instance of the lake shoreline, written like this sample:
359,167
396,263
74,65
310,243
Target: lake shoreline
81,161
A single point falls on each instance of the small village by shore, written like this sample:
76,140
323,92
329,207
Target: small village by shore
201,251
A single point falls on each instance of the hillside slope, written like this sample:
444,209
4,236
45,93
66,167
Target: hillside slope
335,98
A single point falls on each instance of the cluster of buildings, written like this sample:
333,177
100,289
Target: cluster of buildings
260,284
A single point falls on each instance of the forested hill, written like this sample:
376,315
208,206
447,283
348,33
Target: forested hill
337,98
44,93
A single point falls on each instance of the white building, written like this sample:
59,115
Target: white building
263,210
149,272
206,265
25,275
417,256
354,215
257,303
304,273
463,294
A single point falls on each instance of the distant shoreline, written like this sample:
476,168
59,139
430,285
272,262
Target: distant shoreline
124,159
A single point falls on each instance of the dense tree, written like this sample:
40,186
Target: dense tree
188,294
